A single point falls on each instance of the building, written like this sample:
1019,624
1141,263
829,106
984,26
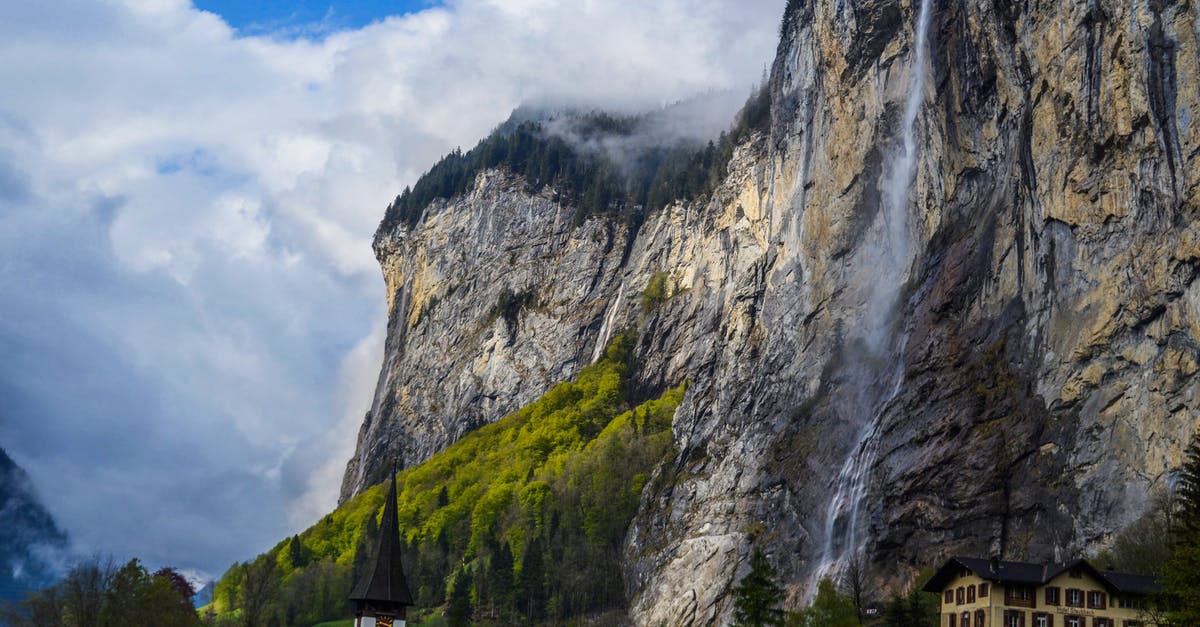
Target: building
993,593
381,598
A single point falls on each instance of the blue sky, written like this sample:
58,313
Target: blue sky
288,16
192,317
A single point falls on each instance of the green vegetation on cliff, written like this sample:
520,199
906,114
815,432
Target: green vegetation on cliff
521,520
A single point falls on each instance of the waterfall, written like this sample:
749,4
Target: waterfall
841,541
606,327
893,257
892,261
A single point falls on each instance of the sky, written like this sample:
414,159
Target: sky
311,18
191,317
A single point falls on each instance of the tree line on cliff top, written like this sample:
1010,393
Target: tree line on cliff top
558,152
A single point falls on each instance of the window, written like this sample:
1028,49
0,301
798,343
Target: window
953,620
1018,595
966,619
1042,619
1014,618
1097,600
1074,598
960,596
980,618
1052,595
1129,602
949,597
1102,622
970,594
1074,621
983,589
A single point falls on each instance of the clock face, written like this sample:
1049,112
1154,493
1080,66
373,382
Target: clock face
383,620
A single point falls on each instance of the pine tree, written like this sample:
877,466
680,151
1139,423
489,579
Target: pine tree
1181,573
458,608
533,582
757,595
500,580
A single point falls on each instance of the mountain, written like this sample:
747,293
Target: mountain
31,544
941,299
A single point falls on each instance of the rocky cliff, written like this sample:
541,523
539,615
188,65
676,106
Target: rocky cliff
946,303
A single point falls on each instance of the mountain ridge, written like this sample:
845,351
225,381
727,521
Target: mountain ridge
32,545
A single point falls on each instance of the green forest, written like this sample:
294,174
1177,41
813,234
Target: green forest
584,178
520,521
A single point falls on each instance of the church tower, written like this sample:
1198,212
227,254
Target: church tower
381,596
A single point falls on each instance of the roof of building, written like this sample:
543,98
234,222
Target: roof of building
385,581
1001,571
1132,584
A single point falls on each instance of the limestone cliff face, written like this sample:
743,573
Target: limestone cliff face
991,345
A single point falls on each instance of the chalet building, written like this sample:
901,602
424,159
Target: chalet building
992,593
381,598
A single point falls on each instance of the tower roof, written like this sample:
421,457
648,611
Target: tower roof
384,581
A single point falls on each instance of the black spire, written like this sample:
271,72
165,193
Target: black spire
384,587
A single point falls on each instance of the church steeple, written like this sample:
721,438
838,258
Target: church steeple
381,596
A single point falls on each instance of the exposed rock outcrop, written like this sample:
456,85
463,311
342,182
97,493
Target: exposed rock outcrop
1027,387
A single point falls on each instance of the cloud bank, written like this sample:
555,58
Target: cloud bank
192,319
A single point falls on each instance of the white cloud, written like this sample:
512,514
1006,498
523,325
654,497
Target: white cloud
192,310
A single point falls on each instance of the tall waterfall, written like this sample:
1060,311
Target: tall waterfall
842,541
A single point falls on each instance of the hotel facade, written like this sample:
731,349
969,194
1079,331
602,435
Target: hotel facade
992,593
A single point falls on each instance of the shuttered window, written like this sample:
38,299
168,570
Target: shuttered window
983,589
980,618
970,594
1051,595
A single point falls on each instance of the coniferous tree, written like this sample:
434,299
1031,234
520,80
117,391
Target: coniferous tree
500,580
458,608
757,595
533,582
1181,573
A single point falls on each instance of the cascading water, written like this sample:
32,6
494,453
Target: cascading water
606,330
842,541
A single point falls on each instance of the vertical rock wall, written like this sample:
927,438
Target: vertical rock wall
1031,384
